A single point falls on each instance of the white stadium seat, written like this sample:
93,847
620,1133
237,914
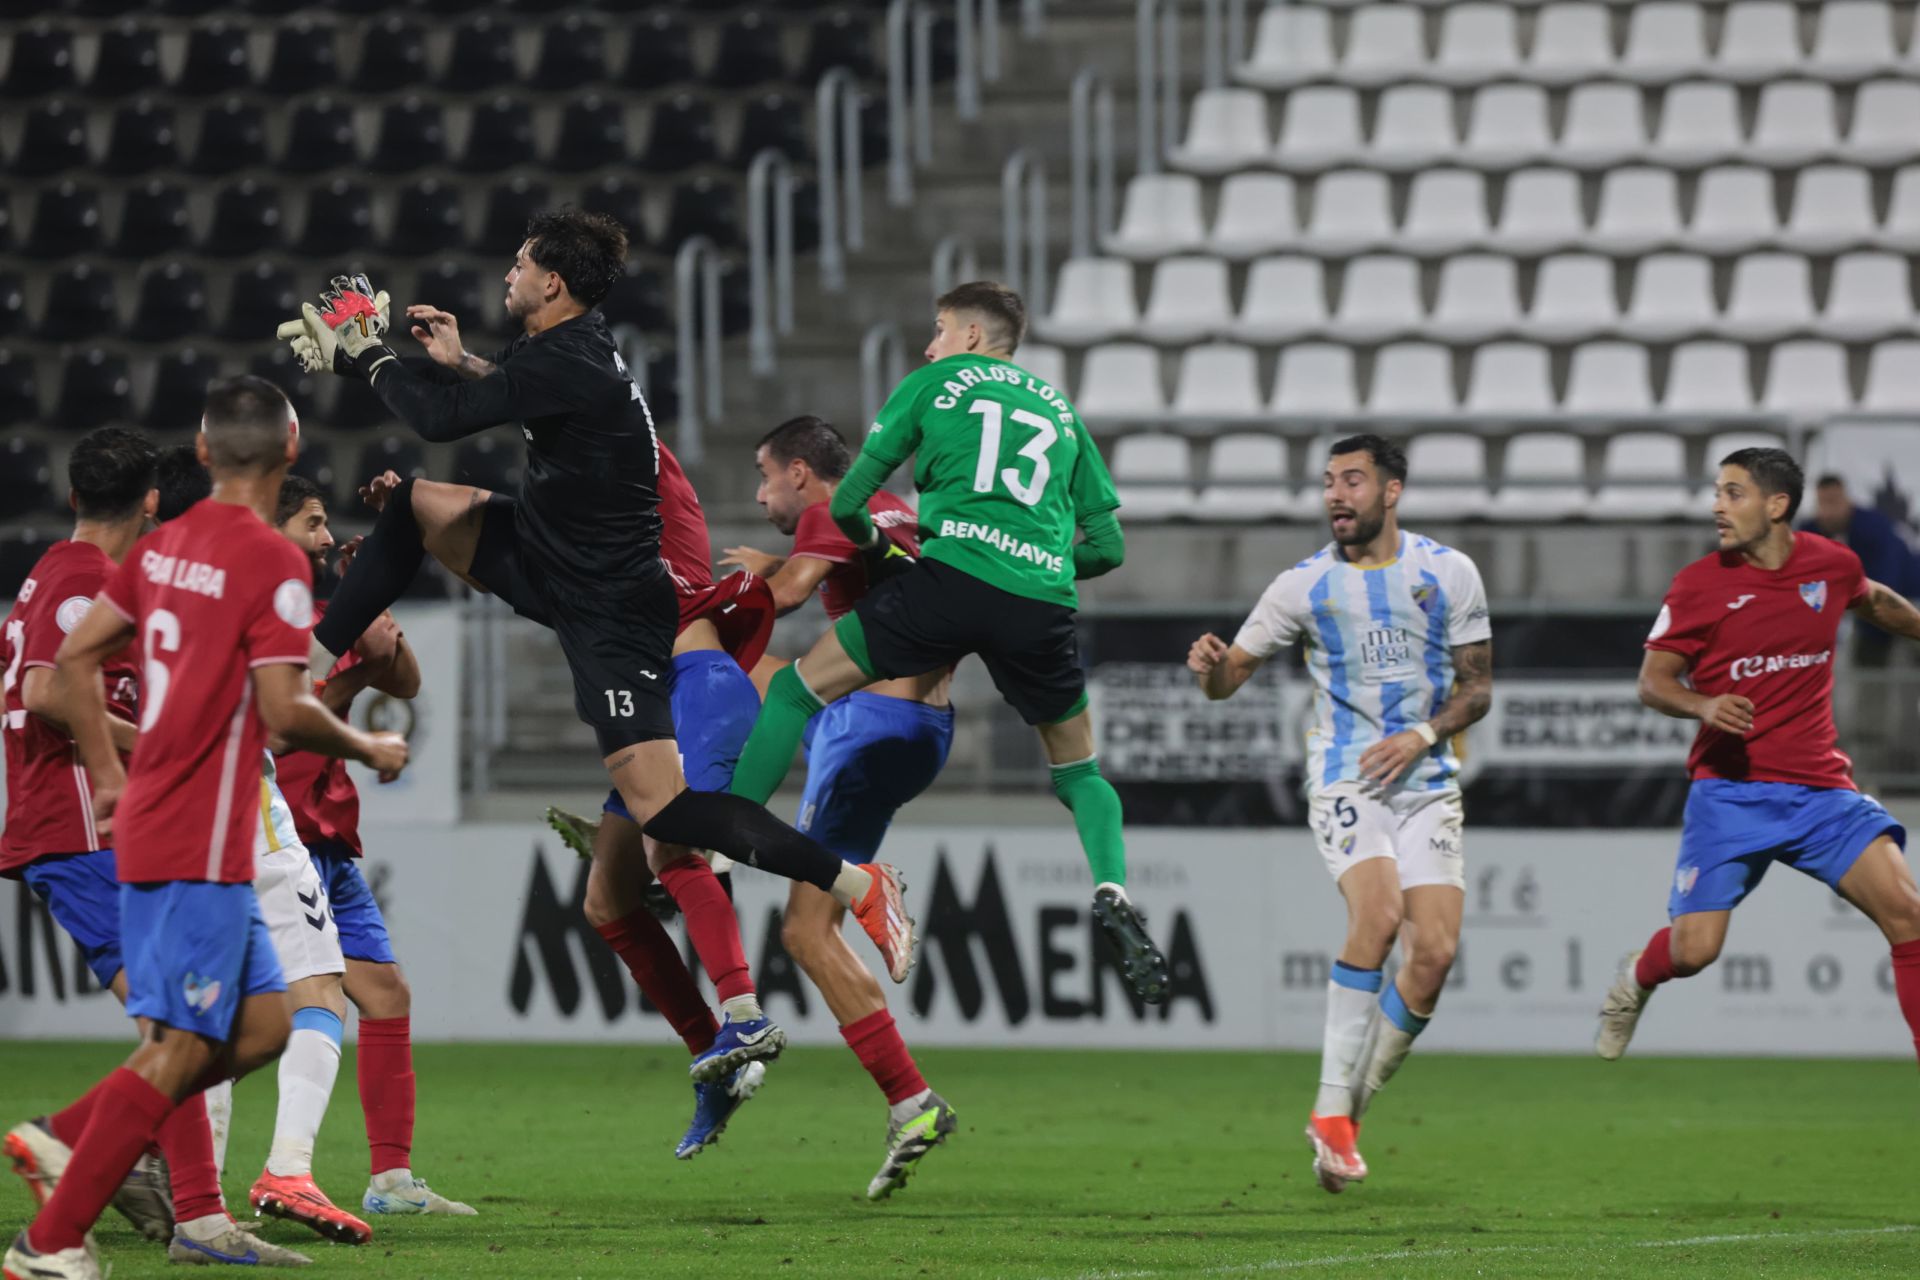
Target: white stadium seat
1247,479
1120,381
1643,476
1352,211
1315,379
1218,380
1605,125
1286,297
1609,377
1479,298
1708,377
1832,208
1321,128
1699,124
1379,299
1226,130
1806,378
1509,378
1868,297
1883,116
1092,300
1540,211
1854,40
1665,41
1507,126
1153,475
1672,297
1733,210
1294,42
1161,216
1414,378
1759,41
1794,123
1772,296
1446,210
1570,42
1726,442
1573,297
1544,478
1413,127
1384,44
1893,378
1639,209
1901,230
1446,477
1188,300
1256,214
1477,42
1046,363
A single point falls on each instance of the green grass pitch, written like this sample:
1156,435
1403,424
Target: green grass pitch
1104,1164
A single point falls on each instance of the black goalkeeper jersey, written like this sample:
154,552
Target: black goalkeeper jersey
588,513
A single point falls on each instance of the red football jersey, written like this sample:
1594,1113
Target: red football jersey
1767,635
685,544
818,537
212,595
49,801
319,791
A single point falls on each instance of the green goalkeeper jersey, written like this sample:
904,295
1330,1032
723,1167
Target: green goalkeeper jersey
1006,472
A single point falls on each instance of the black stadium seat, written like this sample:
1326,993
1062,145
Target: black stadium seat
640,300
153,220
393,56
749,54
26,484
339,218
179,394
129,62
624,200
493,461
501,136
143,138
704,207
54,139
66,221
509,205
413,135
247,218
427,219
263,295
303,58
593,133
482,59
680,135
573,54
476,297
277,365
393,453
95,389
838,39
13,304
315,463
81,303
319,136
169,302
216,61
19,390
660,53
42,62
233,136
773,120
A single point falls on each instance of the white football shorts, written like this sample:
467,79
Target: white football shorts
299,918
1421,830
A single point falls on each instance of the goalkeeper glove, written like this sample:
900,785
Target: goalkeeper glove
884,558
347,333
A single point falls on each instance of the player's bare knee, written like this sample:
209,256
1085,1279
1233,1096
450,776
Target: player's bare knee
1693,955
379,990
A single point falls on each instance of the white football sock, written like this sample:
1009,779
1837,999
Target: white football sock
1348,1009
907,1108
393,1180
307,1071
220,1121
742,1008
1393,1036
851,884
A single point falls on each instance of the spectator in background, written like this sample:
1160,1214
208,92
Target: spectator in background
1882,549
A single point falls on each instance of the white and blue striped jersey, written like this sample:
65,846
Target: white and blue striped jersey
1379,644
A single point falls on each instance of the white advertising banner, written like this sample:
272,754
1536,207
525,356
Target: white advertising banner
486,920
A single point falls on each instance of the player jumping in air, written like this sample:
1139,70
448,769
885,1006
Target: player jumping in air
1401,656
867,755
1744,644
578,551
220,604
1006,472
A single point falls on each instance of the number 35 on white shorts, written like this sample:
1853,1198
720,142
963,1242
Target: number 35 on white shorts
1421,830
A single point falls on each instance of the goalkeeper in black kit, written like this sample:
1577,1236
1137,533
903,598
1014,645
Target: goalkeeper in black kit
577,551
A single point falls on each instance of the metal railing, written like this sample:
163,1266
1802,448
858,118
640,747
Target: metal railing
696,281
769,267
1092,162
1023,227
910,78
954,260
842,218
1223,45
883,362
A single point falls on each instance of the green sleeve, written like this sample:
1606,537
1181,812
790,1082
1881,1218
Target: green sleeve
894,436
1092,485
849,505
1104,548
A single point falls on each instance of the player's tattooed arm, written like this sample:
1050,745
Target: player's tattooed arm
1472,695
1889,610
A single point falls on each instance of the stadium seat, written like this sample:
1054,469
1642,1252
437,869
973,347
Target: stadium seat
1643,476
128,61
1544,478
303,58
573,54
838,38
1246,479
1478,42
1256,214
1153,475
1832,208
1901,229
1449,472
1506,379
1759,41
19,390
1672,297
1507,126
1639,209
659,52
142,138
1806,378
1315,379
468,292
316,463
20,550
1608,378
277,365
1665,41
1294,42
1479,297
53,139
413,135
499,135
1446,210
1883,116
339,219
95,389
680,135
1794,123
179,393
1120,382
1352,212
1160,216
1217,381
1226,130
393,56
1379,299
1285,298
1772,296
66,221
217,61
1732,210
393,453
1414,378
170,300
1726,443
427,219
13,304
1187,301
319,136
1893,378
1092,301
1319,127
1854,39
1868,297
482,60
26,484
41,62
490,462
1047,363
1605,125
1573,297
153,221
246,219
81,303
749,52
263,296
624,199
1540,212
1699,124
1708,377
233,136
1385,45
1412,128
773,121
639,299
702,206
509,205
1571,42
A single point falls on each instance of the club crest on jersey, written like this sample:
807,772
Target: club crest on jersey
1815,594
1685,878
1423,597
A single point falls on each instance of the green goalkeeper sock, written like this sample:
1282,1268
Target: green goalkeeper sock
1095,806
776,735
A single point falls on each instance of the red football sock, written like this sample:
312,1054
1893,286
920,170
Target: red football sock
711,924
187,1142
69,1124
1906,985
383,1062
877,1043
648,952
1656,962
125,1117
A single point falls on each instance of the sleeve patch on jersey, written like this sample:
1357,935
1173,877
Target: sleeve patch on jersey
1661,624
293,603
71,610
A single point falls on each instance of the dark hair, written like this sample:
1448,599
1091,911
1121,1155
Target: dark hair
812,440
111,472
246,423
294,492
183,481
1830,480
1774,470
1388,458
588,251
1005,312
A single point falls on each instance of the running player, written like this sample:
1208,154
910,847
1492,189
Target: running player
867,755
1006,470
579,552
1401,656
326,817
220,603
1744,643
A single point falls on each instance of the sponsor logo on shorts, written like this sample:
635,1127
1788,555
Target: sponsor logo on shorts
1684,879
1815,594
1448,845
201,994
1346,846
1767,664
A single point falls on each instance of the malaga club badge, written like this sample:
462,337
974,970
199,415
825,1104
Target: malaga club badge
1815,594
